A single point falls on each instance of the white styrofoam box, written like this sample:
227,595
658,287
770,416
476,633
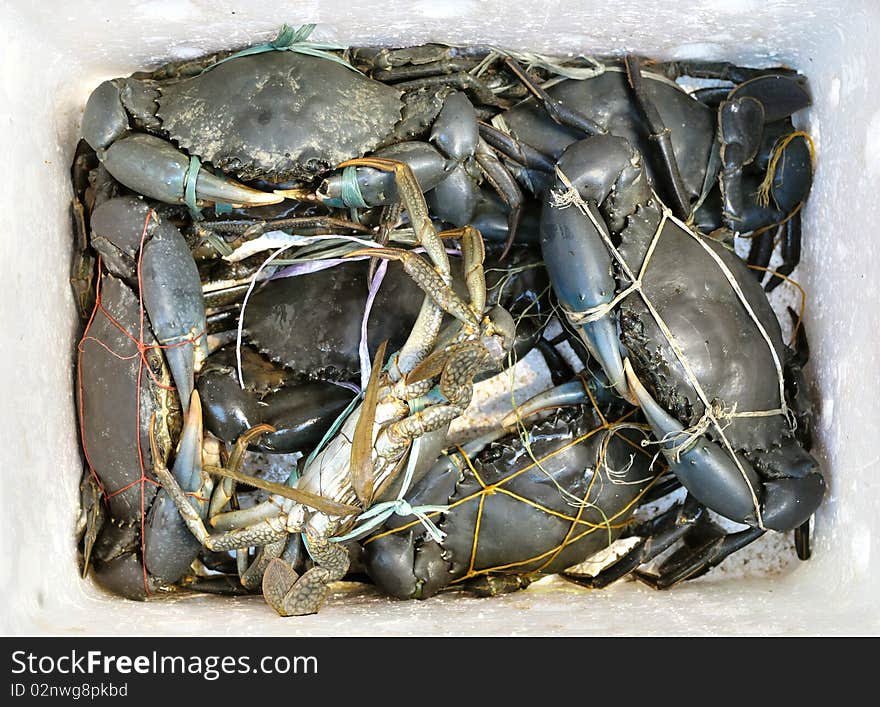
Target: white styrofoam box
54,53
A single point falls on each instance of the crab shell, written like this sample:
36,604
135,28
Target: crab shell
407,563
311,324
278,115
117,399
718,338
116,402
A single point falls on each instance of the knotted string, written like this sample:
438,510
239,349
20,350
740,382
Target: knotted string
377,514
351,191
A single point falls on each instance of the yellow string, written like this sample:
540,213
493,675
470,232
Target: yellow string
576,521
800,289
763,193
491,488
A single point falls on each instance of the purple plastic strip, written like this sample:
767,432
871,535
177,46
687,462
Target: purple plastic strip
363,349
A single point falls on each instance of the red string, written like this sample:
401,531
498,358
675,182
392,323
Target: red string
142,349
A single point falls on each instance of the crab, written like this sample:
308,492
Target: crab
681,328
275,116
422,389
146,331
554,484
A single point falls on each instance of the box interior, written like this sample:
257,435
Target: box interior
55,53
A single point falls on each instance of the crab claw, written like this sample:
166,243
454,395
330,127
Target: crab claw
172,295
571,393
580,270
740,125
374,187
784,501
780,96
455,131
169,546
155,168
703,467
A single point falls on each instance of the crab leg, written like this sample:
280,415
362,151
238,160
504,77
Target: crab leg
570,393
560,113
690,563
761,251
426,277
520,152
505,185
463,81
791,252
722,70
660,135
292,595
656,535
473,253
424,333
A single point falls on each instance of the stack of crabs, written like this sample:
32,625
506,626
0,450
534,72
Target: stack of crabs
295,262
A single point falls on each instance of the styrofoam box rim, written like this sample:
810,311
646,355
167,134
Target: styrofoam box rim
54,53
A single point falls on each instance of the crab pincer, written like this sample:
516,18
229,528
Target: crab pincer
172,294
169,547
730,487
574,244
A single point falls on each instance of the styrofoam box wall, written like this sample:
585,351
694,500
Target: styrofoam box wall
54,53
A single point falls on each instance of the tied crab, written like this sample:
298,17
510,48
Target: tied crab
140,351
681,327
270,114
424,386
519,504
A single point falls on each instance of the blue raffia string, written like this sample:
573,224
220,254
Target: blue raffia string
351,190
189,191
292,40
377,514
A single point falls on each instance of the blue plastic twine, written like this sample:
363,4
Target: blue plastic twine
351,190
376,515
292,40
